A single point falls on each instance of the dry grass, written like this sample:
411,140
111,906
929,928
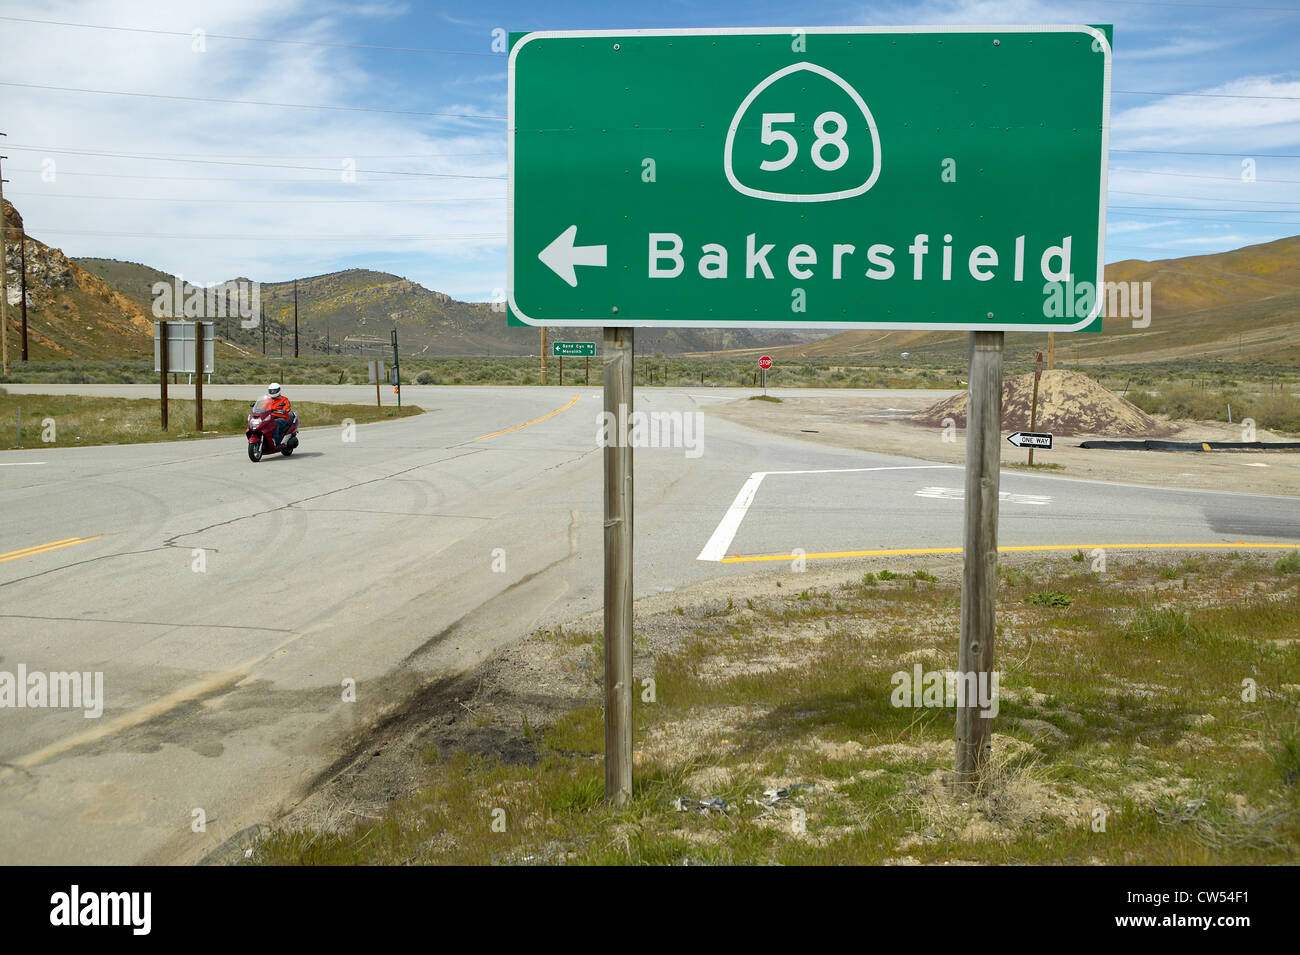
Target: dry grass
1124,735
81,421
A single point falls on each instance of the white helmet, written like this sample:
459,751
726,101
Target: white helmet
273,389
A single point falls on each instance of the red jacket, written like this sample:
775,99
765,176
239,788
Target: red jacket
278,406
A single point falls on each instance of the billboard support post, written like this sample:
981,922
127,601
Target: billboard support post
198,377
162,353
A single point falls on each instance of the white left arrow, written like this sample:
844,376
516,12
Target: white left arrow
562,255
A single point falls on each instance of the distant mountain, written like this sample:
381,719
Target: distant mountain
1242,305
358,305
356,310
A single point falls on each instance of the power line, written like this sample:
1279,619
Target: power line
1210,95
490,116
1237,155
334,180
1281,212
278,237
499,154
1192,175
1160,195
68,195
244,102
1127,213
255,39
454,199
1207,6
164,157
262,165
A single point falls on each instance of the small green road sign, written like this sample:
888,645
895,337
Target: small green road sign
573,349
874,177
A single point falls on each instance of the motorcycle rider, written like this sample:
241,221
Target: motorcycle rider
279,407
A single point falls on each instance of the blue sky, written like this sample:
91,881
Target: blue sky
410,179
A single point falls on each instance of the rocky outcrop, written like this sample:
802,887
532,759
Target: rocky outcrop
70,312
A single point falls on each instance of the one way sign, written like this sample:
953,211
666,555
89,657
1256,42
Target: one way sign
1030,439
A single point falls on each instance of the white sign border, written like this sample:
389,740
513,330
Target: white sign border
1099,37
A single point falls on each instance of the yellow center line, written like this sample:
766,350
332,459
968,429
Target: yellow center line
484,437
742,558
43,548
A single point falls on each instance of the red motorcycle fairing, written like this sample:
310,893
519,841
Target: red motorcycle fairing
261,435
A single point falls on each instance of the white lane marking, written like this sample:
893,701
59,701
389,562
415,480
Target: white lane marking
958,494
904,467
725,532
17,464
716,548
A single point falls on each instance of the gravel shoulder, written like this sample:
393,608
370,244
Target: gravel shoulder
881,424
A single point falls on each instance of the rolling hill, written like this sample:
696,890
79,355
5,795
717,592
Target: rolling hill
71,313
356,309
1242,305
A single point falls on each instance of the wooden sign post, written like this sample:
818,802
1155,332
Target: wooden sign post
618,567
979,554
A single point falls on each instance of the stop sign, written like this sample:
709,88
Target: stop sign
765,362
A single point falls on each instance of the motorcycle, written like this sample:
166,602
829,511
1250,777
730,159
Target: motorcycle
261,431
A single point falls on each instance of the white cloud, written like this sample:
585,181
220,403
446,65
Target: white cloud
1120,228
1211,121
1232,241
208,198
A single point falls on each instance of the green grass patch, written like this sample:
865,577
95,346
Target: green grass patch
1288,563
65,421
1176,723
1050,598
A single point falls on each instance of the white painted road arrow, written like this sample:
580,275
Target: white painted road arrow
562,255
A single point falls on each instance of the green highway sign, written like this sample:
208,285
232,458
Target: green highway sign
573,349
873,177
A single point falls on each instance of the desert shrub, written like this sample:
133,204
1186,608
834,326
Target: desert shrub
1276,412
1195,404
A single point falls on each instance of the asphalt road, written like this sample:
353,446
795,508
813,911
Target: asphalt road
228,604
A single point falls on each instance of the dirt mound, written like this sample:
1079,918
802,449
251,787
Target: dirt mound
1068,403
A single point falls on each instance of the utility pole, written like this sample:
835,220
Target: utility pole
198,377
261,320
543,354
162,369
22,258
1051,353
397,370
618,568
295,318
4,291
979,556
1033,404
